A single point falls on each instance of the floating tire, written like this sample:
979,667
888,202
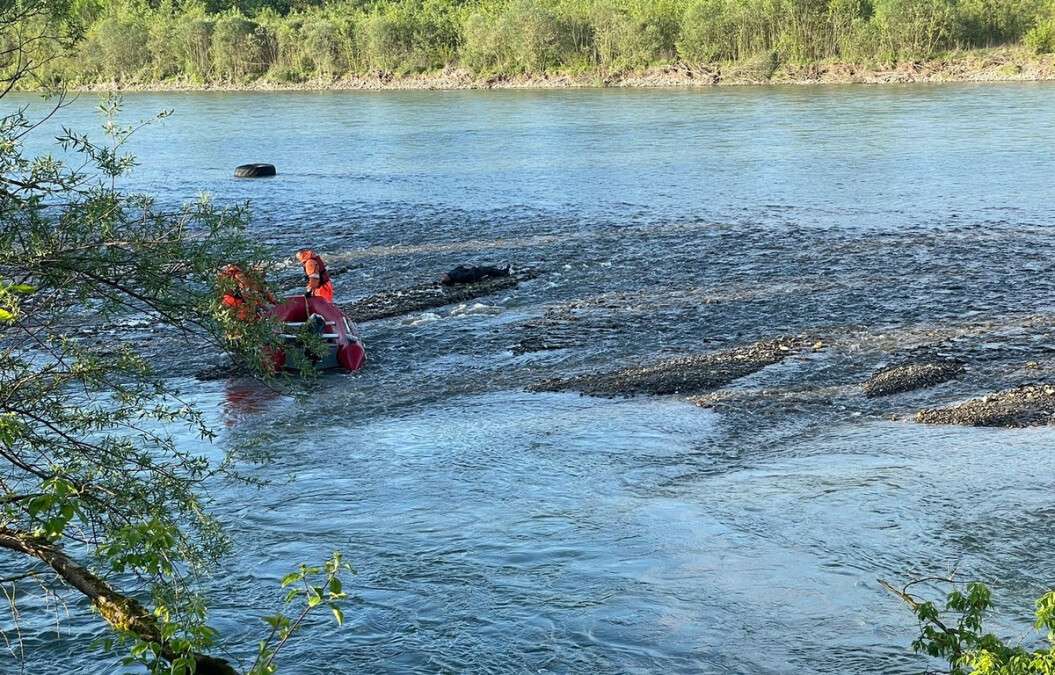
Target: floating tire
254,171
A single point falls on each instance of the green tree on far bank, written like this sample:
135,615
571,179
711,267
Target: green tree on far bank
198,41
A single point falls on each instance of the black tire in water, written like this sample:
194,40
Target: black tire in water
254,170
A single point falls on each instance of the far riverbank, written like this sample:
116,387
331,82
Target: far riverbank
991,65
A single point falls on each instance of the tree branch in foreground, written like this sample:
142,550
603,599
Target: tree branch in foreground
123,613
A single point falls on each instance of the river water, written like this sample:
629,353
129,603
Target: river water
496,530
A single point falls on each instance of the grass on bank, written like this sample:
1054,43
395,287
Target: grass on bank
137,43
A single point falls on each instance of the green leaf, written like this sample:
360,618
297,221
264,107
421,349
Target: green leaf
338,614
38,504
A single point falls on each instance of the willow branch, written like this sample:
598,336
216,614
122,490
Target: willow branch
123,613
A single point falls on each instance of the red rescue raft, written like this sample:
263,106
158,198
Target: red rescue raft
326,320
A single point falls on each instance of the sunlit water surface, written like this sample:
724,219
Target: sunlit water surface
496,530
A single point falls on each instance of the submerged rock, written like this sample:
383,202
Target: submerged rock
427,317
558,328
219,371
910,376
613,315
772,402
1029,405
683,375
478,308
427,296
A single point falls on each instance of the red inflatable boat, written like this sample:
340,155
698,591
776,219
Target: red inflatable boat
316,316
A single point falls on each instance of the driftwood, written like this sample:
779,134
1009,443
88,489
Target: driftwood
123,613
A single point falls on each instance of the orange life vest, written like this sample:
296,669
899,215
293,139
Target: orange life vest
319,267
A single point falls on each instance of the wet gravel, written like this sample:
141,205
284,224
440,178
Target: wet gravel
1029,405
402,301
666,328
683,375
911,376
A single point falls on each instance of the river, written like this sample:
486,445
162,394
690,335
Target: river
497,530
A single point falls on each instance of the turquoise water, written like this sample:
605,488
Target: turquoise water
496,530
870,155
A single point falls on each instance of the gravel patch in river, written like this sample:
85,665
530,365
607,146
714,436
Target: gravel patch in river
401,301
684,375
1029,405
910,376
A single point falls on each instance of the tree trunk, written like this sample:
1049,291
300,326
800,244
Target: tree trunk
122,613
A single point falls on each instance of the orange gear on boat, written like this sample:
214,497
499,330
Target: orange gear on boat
316,278
243,295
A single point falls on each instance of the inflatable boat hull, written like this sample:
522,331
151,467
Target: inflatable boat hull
345,349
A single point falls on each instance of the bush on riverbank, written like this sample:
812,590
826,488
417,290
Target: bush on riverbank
136,42
1041,37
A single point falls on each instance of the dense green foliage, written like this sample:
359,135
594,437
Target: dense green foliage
136,41
956,633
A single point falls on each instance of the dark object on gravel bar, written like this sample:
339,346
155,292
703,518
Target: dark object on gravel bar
909,376
428,296
254,171
1030,405
471,274
683,375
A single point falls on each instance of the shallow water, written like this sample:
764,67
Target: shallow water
496,530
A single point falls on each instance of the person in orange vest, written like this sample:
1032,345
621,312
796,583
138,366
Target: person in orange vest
243,294
317,279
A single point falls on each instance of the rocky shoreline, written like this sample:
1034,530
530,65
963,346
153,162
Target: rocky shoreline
987,65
